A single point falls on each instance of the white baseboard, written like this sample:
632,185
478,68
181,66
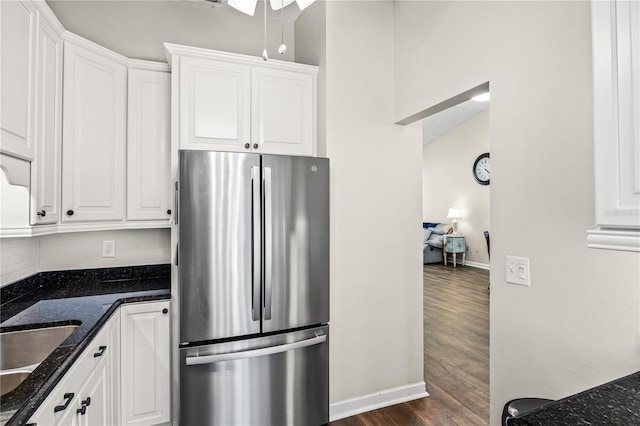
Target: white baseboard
477,265
373,401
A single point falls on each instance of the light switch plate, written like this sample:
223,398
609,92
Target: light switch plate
518,270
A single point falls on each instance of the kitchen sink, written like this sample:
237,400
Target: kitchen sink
22,351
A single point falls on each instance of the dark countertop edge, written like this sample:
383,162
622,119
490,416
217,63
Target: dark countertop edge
29,284
30,405
522,420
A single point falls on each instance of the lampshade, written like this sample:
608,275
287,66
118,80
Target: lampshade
454,213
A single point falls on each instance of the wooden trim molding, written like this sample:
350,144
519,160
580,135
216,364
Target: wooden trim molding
610,239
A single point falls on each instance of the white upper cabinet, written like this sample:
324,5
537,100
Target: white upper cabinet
45,170
616,68
94,135
231,102
17,77
148,145
282,112
214,104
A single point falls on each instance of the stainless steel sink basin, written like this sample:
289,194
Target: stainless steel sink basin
22,351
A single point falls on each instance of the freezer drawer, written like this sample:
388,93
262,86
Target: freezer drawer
274,380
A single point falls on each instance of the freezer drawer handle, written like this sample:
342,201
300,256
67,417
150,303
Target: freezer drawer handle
209,359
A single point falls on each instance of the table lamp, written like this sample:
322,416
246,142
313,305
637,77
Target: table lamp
454,214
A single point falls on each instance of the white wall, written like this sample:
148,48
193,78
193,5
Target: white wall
376,273
83,250
578,324
138,29
447,181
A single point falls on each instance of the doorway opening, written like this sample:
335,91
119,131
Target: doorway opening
456,194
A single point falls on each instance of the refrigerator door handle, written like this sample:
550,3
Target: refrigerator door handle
209,359
256,241
268,242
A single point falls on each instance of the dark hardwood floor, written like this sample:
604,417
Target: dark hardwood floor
456,354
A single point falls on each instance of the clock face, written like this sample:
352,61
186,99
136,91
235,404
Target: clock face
482,169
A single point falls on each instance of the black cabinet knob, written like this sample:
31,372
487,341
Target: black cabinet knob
70,212
255,146
247,146
42,213
169,211
165,311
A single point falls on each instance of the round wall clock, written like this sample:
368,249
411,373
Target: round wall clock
482,169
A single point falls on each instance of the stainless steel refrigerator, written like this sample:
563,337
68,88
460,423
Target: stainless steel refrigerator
253,259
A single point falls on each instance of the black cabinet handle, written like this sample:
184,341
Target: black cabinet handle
255,146
82,411
42,213
70,212
247,146
68,397
165,311
169,211
87,402
97,354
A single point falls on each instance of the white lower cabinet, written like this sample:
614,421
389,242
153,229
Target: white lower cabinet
145,364
82,396
122,378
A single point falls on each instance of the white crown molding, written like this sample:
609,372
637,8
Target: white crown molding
140,64
236,58
373,401
48,14
613,239
94,47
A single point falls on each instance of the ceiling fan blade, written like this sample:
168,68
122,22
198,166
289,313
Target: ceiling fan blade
303,4
244,6
279,4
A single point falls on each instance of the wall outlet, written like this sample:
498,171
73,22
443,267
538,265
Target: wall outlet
518,271
109,248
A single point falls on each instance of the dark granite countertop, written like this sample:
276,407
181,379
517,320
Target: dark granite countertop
86,298
614,403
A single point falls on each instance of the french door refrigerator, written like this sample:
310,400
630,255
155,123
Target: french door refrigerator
253,259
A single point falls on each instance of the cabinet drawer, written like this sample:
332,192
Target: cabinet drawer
73,382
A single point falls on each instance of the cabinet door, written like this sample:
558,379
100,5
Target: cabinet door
214,105
616,65
45,170
148,145
282,112
17,80
94,133
95,397
145,366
